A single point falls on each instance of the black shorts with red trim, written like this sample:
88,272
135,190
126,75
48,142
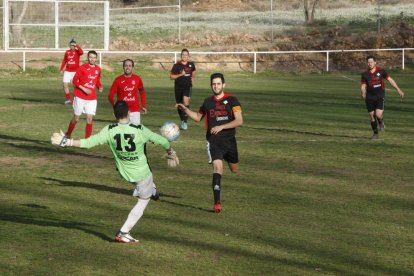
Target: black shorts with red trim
223,148
374,103
181,91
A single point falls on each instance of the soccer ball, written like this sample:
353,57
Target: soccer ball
170,131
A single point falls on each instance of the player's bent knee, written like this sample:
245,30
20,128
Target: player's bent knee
234,168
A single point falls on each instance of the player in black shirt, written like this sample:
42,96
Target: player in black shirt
223,114
373,92
183,72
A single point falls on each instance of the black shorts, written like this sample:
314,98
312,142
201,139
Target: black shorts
180,92
223,148
373,104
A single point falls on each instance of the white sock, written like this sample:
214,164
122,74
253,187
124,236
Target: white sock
135,214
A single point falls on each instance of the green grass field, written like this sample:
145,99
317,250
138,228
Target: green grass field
314,195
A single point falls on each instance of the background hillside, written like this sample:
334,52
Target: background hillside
236,25
249,25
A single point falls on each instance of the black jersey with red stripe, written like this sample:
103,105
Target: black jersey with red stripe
375,82
219,112
189,68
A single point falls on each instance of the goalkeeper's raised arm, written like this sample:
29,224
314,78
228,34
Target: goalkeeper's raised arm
126,141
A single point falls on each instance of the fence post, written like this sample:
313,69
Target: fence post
254,62
179,21
56,24
106,25
6,24
271,17
327,61
403,59
24,61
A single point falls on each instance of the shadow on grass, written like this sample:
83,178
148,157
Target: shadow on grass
237,251
53,223
34,100
104,121
52,149
97,187
305,132
324,258
121,191
36,206
183,205
20,139
334,259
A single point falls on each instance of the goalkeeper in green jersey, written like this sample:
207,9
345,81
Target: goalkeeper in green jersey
127,143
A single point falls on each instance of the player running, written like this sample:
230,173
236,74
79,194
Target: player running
70,64
86,80
183,74
223,114
127,143
129,88
373,92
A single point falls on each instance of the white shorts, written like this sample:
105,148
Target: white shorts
144,189
84,106
68,76
135,118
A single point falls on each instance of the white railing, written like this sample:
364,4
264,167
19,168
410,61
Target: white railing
55,6
56,24
254,54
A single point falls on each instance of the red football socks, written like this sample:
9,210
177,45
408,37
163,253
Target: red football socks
88,130
70,129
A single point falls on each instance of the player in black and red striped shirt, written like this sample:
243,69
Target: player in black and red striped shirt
183,73
222,112
373,92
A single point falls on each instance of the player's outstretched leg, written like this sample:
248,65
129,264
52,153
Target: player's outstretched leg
134,215
216,192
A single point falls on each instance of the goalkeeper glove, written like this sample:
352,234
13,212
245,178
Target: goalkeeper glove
172,158
60,139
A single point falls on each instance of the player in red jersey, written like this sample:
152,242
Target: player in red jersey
223,114
183,74
86,80
127,87
70,64
373,92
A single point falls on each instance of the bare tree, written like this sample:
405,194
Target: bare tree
16,31
309,8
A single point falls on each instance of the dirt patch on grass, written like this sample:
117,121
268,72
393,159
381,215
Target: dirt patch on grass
30,162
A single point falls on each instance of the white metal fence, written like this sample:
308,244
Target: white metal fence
252,58
45,23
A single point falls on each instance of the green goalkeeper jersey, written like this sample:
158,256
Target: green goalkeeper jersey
127,143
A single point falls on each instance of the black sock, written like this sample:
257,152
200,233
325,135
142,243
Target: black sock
181,114
374,126
379,120
216,186
185,116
